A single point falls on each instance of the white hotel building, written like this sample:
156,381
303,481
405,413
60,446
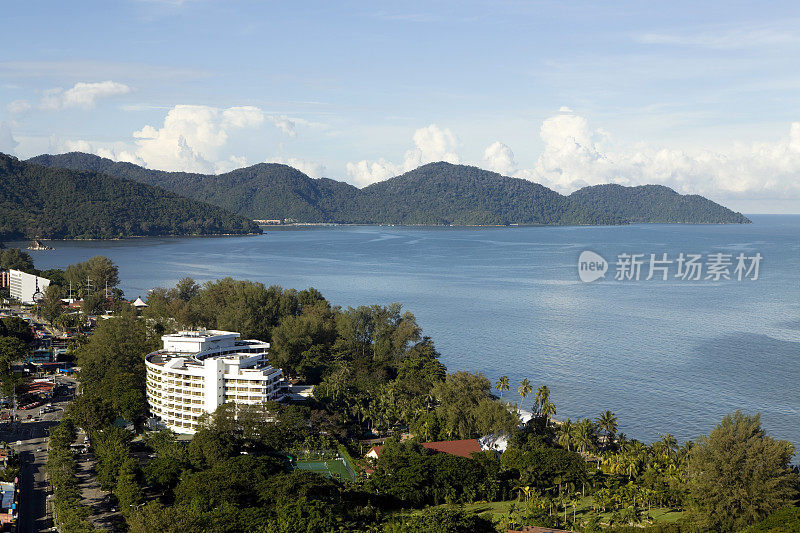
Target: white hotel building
197,371
26,288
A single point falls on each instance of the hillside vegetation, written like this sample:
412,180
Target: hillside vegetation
435,194
59,203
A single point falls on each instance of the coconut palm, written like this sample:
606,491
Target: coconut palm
548,410
542,397
608,423
502,385
584,435
565,432
524,390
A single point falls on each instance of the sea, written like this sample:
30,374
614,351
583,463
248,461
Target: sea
666,356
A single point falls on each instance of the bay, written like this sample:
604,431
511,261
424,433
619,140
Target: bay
666,356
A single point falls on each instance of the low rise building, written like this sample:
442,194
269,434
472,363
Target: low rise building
26,288
197,371
8,505
462,448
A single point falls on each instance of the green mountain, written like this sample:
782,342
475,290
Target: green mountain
436,193
655,204
59,203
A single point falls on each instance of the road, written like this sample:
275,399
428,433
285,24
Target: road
27,437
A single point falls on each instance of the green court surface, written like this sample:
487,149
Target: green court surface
331,468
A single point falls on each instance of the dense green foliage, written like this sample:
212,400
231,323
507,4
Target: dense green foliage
376,374
738,474
786,520
433,194
57,203
654,204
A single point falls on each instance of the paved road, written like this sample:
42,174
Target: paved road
27,437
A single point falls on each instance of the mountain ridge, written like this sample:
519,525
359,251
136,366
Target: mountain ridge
57,203
433,194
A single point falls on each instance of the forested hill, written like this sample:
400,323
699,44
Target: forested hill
655,204
443,193
436,193
58,203
263,191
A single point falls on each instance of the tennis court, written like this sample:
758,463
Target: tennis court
330,468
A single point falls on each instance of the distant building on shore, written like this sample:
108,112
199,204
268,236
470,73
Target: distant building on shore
197,371
5,279
26,288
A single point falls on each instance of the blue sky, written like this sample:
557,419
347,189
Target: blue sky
699,98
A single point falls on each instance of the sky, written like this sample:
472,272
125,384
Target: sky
703,97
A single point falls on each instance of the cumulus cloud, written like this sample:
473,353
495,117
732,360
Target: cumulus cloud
18,107
431,144
499,158
191,139
82,95
576,155
312,169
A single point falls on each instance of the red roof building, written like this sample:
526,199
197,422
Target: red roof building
461,448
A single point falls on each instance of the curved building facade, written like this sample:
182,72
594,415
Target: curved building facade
197,371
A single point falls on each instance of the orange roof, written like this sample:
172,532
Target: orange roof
461,448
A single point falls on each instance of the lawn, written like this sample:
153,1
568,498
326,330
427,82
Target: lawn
501,509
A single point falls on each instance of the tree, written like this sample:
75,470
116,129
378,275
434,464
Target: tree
584,435
127,490
738,475
565,433
17,327
524,390
607,422
502,385
51,307
112,364
459,396
542,397
548,410
11,350
14,258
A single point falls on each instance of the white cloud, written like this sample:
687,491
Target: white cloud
18,107
190,140
192,137
312,169
431,144
286,125
82,95
499,158
576,155
8,144
365,172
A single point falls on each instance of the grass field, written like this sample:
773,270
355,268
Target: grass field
500,509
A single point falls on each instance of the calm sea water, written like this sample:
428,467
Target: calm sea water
666,356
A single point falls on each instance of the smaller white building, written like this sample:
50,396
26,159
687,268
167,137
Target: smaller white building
25,287
197,371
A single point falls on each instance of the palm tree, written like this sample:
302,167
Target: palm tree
565,431
542,396
524,390
502,385
607,422
584,435
548,410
